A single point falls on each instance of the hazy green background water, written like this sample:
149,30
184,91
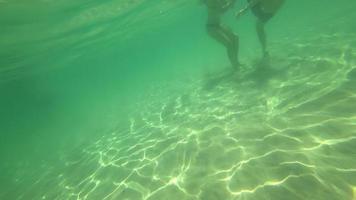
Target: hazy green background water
72,72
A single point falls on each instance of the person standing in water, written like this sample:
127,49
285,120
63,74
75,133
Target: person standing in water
264,10
221,33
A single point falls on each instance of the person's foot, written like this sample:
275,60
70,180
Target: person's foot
265,55
237,66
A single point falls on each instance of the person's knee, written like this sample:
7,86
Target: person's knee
236,41
260,24
211,30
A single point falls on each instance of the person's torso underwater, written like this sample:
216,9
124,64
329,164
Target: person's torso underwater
216,8
268,6
219,6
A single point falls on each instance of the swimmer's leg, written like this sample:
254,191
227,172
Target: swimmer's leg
224,36
260,28
234,49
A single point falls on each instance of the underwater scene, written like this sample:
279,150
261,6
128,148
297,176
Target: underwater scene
177,100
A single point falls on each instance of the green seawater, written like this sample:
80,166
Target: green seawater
132,100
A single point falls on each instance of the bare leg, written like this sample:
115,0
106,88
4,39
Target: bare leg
233,52
260,28
228,39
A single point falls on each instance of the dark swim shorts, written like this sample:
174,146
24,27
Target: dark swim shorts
260,14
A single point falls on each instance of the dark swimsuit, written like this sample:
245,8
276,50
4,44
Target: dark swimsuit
259,13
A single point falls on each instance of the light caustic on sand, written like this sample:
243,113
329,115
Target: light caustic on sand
290,133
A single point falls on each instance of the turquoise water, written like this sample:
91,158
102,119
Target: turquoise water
131,99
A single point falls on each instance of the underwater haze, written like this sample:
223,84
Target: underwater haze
133,100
